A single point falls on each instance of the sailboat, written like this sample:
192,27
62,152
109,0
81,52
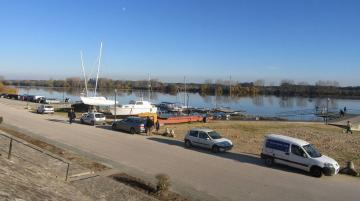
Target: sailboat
136,107
94,100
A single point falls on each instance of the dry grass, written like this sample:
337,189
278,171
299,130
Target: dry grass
248,136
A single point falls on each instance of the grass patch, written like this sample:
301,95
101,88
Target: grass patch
84,162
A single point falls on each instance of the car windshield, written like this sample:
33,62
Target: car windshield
312,151
214,135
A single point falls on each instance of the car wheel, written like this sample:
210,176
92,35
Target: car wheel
269,161
188,144
93,123
215,149
132,131
316,172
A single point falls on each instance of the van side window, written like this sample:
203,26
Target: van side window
193,133
296,150
278,145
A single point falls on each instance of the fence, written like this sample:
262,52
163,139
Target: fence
10,152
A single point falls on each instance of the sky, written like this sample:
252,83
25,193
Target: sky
301,40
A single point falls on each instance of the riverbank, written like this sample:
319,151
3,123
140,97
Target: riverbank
248,136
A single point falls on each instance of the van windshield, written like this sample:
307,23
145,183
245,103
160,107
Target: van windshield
312,151
214,135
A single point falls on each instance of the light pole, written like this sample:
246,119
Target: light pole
115,90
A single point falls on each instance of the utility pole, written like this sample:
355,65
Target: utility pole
230,86
115,90
327,110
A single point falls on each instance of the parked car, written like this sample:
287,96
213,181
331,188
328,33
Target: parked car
221,116
207,138
3,95
93,118
50,101
130,124
45,109
37,99
297,153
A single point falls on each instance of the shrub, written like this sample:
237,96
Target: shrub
1,120
163,183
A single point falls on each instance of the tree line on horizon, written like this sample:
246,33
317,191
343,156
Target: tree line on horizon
208,87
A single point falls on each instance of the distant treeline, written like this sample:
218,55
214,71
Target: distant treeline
7,90
209,87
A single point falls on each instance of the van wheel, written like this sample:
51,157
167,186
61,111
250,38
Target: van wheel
269,161
188,144
93,123
215,149
132,131
316,172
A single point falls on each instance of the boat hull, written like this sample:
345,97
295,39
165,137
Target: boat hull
132,111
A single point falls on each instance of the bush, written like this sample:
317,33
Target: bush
163,183
1,120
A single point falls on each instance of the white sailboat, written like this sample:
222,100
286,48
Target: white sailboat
135,107
94,100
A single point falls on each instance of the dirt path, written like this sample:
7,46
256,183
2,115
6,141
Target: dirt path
227,176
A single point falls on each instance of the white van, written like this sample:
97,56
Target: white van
298,154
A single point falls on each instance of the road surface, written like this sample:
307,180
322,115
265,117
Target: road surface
224,176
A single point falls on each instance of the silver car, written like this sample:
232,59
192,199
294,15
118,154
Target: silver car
207,138
45,109
93,118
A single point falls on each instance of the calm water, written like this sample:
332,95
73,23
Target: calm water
291,107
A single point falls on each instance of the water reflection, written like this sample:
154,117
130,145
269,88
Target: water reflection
258,100
286,102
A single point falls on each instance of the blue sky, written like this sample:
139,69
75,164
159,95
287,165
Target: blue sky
273,40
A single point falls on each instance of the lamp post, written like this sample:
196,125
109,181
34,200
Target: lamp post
115,90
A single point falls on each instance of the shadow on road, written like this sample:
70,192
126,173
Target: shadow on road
106,127
59,121
240,157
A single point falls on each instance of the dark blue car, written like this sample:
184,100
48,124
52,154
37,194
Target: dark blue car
130,124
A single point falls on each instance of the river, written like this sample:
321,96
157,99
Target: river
293,108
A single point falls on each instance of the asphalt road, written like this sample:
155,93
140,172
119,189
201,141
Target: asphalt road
225,176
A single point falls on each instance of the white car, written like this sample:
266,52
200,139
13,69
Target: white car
93,118
207,138
297,153
45,109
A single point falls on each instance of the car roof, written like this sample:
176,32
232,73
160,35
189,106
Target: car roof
202,129
287,139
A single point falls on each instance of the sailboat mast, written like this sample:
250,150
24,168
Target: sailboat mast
83,69
98,70
149,87
184,90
